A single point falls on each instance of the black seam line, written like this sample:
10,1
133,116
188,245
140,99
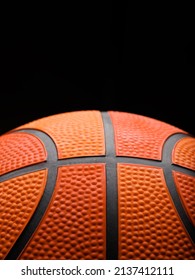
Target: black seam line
32,225
111,190
92,159
78,160
184,170
168,173
53,161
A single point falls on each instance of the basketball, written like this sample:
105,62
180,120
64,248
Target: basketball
93,185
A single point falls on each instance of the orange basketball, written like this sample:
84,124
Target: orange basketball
97,185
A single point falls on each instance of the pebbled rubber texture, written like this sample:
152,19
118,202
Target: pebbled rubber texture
184,153
18,150
75,135
186,189
149,225
74,225
138,136
19,198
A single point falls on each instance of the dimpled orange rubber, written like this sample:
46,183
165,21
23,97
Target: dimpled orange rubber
19,198
74,135
82,159
138,136
185,185
19,150
149,226
74,227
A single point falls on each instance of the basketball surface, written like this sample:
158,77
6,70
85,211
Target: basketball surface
97,185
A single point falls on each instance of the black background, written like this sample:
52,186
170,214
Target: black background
96,56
